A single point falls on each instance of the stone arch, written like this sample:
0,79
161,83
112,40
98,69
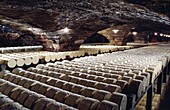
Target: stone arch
128,38
96,38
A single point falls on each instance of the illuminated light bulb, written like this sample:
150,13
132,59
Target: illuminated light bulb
161,34
66,30
155,33
115,31
117,12
134,33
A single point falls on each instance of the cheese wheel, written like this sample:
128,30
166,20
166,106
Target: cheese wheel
88,92
127,78
28,84
77,89
73,99
119,99
22,97
12,63
123,84
100,85
20,62
102,95
147,75
91,83
143,79
107,105
132,75
68,86
35,87
3,73
47,58
113,88
55,106
135,87
140,107
11,106
15,93
11,78
27,61
30,101
40,66
88,104
52,57
8,90
22,82
61,96
40,104
17,70
35,59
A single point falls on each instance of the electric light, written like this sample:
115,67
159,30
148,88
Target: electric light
155,33
115,31
66,30
134,33
117,12
161,34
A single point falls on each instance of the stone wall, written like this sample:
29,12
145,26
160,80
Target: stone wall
83,18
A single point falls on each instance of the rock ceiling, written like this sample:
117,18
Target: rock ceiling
43,19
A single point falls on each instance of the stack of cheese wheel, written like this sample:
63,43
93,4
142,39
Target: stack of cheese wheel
20,49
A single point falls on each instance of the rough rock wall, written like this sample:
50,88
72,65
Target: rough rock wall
84,18
160,6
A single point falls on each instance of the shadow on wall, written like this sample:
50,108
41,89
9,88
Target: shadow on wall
96,38
24,40
11,38
129,38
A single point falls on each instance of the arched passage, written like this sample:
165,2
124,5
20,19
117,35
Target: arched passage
128,38
96,38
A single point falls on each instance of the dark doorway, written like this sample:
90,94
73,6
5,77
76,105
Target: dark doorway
129,38
96,38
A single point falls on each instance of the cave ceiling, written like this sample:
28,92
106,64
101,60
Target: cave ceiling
84,17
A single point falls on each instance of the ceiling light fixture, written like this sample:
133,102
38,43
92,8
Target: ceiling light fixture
155,33
66,29
134,33
161,34
115,31
117,12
